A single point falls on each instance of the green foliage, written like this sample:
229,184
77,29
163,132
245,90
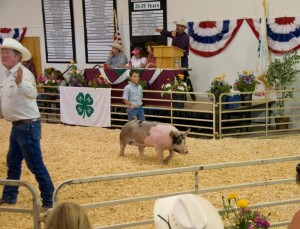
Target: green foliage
237,214
76,77
49,80
281,74
246,82
178,84
219,86
99,82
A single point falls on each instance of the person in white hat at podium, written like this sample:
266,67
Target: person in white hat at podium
180,39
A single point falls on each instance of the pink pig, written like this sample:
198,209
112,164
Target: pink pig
161,136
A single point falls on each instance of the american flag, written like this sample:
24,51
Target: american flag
15,33
117,36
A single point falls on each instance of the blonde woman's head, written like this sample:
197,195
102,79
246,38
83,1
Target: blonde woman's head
68,216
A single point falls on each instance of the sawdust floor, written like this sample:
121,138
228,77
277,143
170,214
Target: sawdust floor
76,152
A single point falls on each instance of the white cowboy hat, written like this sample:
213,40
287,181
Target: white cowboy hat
117,46
181,22
10,43
187,211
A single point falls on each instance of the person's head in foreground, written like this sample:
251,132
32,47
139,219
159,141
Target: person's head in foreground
295,223
187,211
13,52
68,215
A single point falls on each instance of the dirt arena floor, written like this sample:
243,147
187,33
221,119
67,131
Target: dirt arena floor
76,152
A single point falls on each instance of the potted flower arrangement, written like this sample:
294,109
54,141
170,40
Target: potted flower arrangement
237,214
176,85
99,82
76,78
49,80
219,86
246,82
280,76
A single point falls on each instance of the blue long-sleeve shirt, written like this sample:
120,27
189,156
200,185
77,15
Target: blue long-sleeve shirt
181,40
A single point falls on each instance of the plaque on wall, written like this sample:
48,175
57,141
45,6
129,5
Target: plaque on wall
98,29
59,31
144,17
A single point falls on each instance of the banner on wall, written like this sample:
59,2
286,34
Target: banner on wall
15,33
209,38
85,106
283,33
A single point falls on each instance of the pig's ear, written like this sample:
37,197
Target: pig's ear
171,134
186,133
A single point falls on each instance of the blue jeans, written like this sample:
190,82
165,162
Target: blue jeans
138,112
24,143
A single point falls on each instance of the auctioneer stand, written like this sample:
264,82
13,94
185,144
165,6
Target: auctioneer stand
167,56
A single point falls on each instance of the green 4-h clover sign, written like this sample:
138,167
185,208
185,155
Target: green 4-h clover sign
84,106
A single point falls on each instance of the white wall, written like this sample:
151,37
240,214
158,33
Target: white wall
241,53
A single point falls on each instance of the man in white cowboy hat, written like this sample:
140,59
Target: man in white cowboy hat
18,103
116,57
180,40
187,211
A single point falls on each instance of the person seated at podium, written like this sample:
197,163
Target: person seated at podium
151,60
116,57
180,39
138,60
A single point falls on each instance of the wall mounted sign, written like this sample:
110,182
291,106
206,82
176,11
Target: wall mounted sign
98,28
144,17
59,31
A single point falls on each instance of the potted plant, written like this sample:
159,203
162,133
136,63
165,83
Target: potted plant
280,76
245,82
76,77
179,85
219,86
99,82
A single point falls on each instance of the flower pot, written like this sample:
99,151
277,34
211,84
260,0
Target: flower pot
232,98
246,97
178,105
282,123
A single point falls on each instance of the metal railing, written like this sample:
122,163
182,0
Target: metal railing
205,118
196,170
35,201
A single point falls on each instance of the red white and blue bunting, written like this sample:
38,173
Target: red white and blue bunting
209,38
14,33
283,33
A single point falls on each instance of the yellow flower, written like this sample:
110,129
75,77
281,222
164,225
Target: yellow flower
242,203
220,77
72,62
246,72
181,76
232,196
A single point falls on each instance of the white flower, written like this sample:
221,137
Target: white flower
181,88
168,85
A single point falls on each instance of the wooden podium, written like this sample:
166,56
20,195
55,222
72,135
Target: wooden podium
167,56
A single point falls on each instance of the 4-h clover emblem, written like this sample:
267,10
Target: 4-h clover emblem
84,106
